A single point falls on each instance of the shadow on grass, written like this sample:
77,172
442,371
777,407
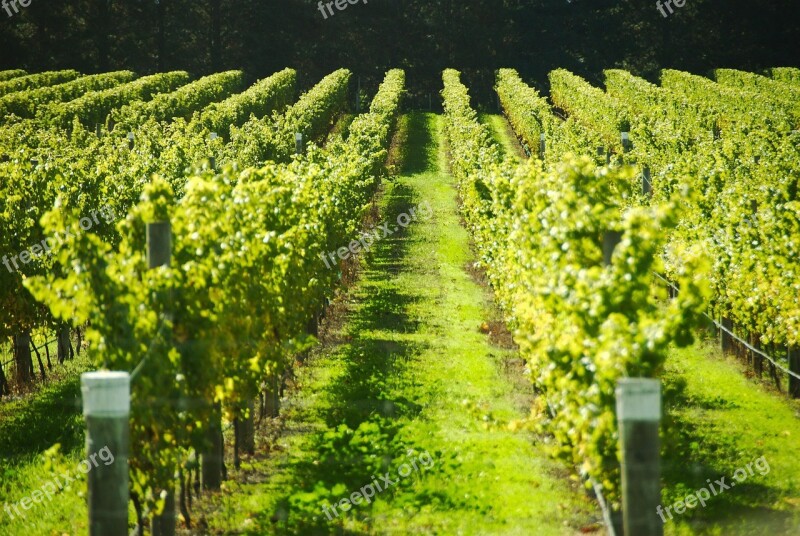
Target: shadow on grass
420,151
692,459
363,414
34,425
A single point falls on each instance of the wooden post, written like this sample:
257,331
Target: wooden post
638,416
625,138
212,162
130,141
159,244
758,359
298,143
213,457
97,130
4,389
106,407
159,253
647,183
63,344
794,366
272,396
541,145
23,359
164,524
249,429
610,241
726,341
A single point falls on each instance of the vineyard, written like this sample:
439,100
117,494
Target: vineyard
293,306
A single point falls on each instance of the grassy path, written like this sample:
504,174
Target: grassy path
29,429
409,383
723,421
503,135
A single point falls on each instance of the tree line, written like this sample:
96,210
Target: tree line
423,37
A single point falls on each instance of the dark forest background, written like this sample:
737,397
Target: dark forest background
476,36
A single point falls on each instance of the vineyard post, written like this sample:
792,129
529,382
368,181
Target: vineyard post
726,342
298,143
159,244
541,145
212,459
212,162
249,430
97,129
794,367
647,185
610,241
106,407
159,253
639,415
626,141
130,141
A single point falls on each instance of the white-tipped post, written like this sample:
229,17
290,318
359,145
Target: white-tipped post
638,416
626,141
106,408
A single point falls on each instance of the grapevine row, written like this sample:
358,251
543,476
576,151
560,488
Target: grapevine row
33,81
25,103
93,108
582,321
742,192
11,73
245,281
88,174
182,102
273,138
266,95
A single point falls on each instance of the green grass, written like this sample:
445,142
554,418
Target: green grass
410,371
723,421
341,126
501,134
30,428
